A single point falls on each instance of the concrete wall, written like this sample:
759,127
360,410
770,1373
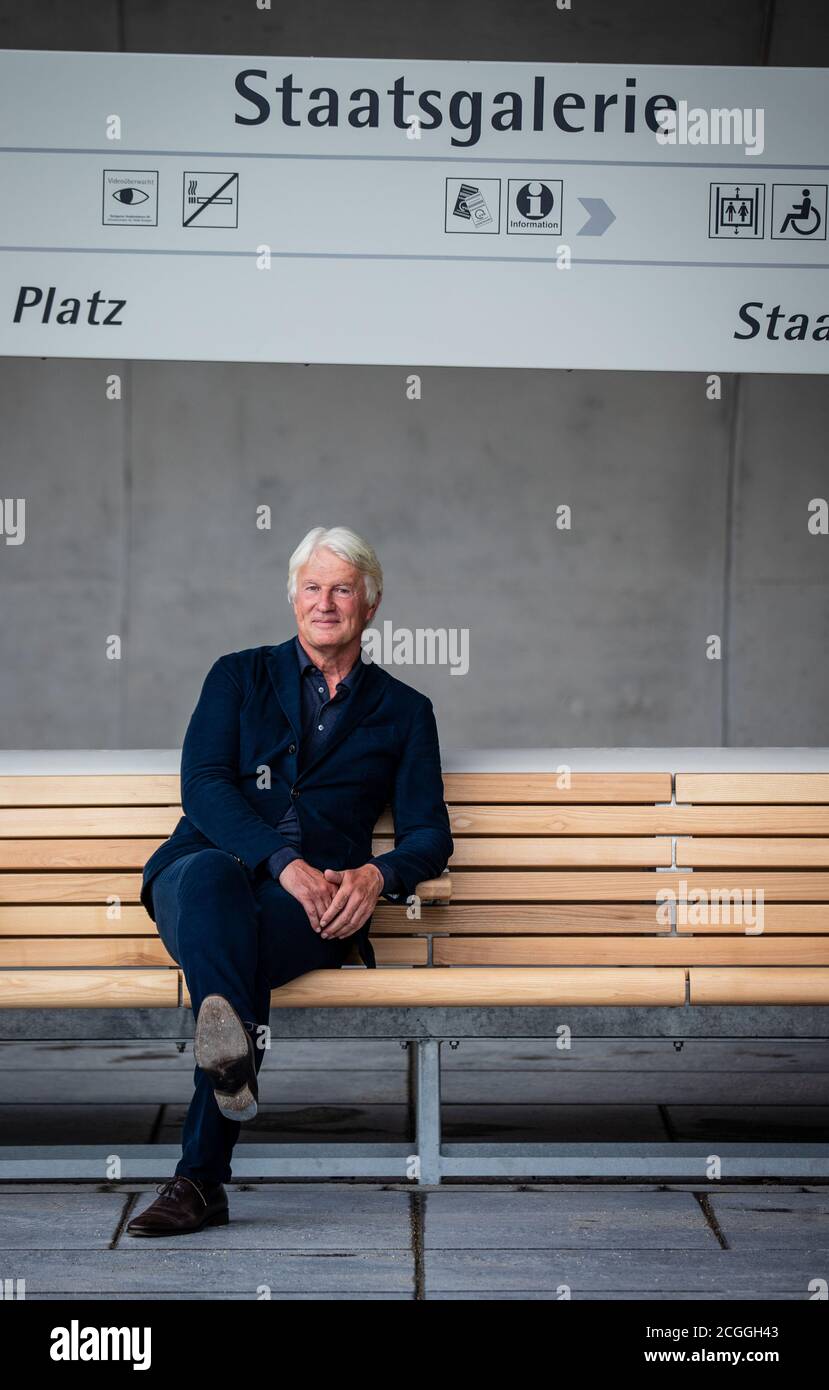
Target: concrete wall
689,515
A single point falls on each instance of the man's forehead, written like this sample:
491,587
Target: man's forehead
325,562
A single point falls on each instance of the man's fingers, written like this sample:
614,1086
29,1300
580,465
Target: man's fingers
352,914
334,907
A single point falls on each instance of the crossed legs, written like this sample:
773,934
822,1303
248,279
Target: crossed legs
239,940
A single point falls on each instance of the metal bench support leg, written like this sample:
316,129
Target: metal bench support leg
427,1109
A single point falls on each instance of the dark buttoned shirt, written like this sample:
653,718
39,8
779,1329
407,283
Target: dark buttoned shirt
319,717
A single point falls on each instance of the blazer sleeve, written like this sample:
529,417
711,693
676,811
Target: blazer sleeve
210,793
422,839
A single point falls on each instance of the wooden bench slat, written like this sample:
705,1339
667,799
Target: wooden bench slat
130,822
752,786
535,787
462,919
19,952
87,919
98,887
588,886
104,822
89,989
75,854
546,918
541,851
152,789
114,853
120,952
780,985
69,888
469,986
463,985
101,789
622,950
632,820
790,852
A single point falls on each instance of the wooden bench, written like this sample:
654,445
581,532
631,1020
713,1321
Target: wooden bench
550,916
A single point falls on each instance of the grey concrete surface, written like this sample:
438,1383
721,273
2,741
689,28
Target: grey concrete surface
355,1240
364,1241
689,516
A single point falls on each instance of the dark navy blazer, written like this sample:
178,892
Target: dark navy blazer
383,751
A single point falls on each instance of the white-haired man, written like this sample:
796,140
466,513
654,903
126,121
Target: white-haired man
290,756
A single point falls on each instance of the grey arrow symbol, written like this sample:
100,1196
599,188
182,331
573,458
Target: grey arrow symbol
600,217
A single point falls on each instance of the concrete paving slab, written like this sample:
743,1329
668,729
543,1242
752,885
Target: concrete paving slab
329,1296
618,1273
153,1266
297,1216
72,1220
774,1221
593,1218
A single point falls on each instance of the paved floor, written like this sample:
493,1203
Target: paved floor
378,1240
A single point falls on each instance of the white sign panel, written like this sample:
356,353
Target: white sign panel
393,211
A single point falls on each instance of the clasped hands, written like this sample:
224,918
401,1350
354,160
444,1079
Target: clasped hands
337,902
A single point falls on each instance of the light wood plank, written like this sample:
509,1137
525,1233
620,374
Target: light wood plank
89,989
19,952
620,950
102,789
547,851
541,886
69,888
89,919
509,919
151,789
632,820
759,986
130,822
533,787
508,986
753,786
768,853
99,887
76,854
104,822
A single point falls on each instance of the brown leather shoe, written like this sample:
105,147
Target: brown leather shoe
185,1204
223,1048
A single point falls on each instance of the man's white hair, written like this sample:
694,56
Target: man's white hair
349,546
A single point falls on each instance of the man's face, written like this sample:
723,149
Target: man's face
330,604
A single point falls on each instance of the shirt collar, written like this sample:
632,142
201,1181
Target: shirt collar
306,664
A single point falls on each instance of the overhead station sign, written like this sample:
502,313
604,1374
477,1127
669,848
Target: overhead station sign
388,211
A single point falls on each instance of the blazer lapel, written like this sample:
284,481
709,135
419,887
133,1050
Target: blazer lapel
284,672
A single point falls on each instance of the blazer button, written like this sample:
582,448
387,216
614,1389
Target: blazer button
291,747
294,793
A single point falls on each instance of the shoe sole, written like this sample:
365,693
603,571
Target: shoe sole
219,1218
222,1049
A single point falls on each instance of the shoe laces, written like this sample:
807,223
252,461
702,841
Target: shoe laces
166,1188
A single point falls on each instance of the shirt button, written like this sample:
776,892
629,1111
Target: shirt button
291,747
320,727
294,793
320,689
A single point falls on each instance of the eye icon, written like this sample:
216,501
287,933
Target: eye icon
130,196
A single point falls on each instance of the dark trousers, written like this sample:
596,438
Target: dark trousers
241,938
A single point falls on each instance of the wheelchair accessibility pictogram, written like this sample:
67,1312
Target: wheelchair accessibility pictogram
798,211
